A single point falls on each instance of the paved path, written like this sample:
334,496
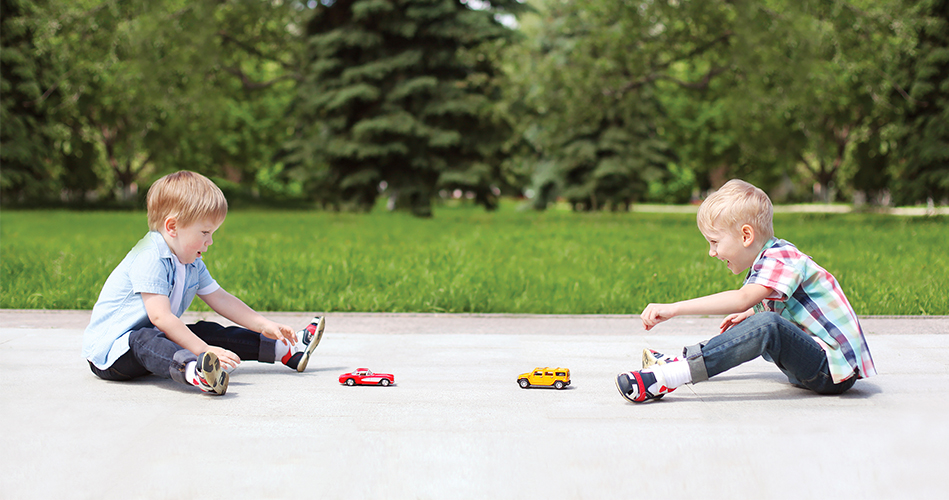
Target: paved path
456,425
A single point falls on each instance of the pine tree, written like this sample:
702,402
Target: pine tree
924,148
612,168
398,94
25,125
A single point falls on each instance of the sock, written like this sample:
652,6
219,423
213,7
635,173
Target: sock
283,351
191,372
676,373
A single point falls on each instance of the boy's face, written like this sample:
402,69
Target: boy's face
191,241
736,248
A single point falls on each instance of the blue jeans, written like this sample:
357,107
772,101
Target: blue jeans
151,352
777,340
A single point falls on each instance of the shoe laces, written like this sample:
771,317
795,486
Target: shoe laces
307,333
202,384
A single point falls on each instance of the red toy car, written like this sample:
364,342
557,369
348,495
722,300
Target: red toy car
362,376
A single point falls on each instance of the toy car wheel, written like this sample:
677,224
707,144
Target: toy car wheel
523,383
558,385
384,382
350,382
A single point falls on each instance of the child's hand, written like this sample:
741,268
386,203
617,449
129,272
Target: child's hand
279,332
228,359
655,314
733,319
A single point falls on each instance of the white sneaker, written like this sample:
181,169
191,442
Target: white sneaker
310,337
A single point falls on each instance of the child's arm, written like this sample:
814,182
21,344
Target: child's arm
732,301
159,312
237,311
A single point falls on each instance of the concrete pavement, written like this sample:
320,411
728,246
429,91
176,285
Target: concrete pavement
456,425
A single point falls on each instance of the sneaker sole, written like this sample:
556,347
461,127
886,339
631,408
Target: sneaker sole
620,389
211,371
313,343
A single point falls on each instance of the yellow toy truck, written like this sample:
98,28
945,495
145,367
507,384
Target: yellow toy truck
545,377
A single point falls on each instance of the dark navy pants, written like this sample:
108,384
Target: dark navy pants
151,352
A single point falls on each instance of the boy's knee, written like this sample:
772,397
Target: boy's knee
765,319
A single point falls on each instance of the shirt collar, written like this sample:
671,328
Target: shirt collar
164,251
772,241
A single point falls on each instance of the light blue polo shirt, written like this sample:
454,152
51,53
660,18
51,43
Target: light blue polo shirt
148,268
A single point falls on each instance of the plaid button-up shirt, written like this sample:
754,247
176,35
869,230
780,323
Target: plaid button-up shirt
810,297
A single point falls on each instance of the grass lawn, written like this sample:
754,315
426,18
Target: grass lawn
467,260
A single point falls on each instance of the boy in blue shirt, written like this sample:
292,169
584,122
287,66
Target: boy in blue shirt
136,328
789,310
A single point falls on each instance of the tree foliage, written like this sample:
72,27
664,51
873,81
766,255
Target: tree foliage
399,94
774,91
147,87
26,131
593,128
602,103
923,168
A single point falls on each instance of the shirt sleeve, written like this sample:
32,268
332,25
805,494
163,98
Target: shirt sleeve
206,284
780,276
148,275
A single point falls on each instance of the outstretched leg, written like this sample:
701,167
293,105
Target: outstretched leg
775,338
769,335
247,344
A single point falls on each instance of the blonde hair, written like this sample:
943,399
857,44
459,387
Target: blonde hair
737,203
187,196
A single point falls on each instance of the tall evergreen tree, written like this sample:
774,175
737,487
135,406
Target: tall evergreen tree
26,139
399,92
923,171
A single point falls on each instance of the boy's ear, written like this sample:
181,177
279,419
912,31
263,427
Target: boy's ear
171,226
747,235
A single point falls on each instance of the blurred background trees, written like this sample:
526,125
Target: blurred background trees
922,149
26,135
600,103
397,97
131,90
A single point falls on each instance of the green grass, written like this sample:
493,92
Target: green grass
466,260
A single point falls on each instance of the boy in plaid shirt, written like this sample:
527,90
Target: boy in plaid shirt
789,310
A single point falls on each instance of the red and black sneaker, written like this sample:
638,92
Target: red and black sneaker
641,386
309,338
